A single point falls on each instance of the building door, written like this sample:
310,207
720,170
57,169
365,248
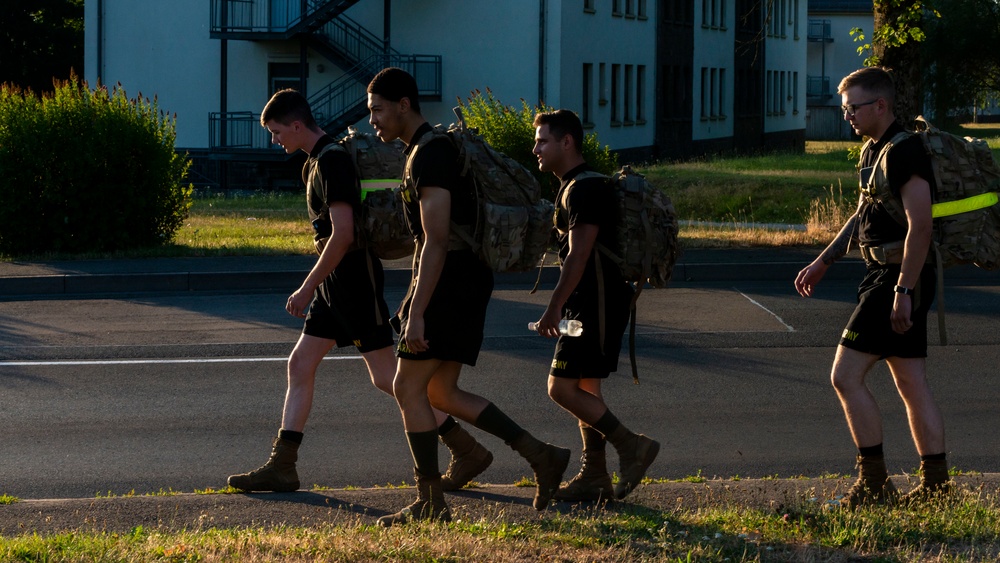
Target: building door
284,75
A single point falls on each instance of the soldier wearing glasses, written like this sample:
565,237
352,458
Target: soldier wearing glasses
890,320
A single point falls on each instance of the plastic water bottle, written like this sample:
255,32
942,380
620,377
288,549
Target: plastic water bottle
567,327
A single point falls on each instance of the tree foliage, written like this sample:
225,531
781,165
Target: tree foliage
963,64
512,132
899,29
40,40
87,171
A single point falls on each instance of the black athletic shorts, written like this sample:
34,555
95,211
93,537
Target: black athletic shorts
581,357
870,329
456,314
348,309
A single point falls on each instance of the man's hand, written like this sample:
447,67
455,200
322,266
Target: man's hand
809,277
548,325
902,306
298,302
413,334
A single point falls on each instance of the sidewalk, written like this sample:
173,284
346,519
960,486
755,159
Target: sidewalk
363,506
266,273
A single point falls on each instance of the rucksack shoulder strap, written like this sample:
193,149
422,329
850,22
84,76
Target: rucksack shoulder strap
878,188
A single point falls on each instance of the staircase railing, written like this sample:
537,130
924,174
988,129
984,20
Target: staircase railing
345,101
350,40
284,17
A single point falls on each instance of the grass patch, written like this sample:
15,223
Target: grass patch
774,188
962,527
8,499
817,189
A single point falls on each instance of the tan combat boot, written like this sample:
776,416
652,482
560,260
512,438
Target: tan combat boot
277,475
635,459
591,484
873,486
430,504
468,459
934,482
548,462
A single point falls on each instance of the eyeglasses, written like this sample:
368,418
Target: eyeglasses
851,109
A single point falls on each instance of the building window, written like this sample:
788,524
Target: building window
795,93
713,93
641,9
704,93
615,101
616,7
784,91
795,19
713,111
772,19
627,96
640,89
720,94
629,8
602,85
775,95
588,6
588,88
713,14
784,16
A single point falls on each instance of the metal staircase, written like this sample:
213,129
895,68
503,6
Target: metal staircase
338,38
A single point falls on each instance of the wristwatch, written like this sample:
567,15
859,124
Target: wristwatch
903,290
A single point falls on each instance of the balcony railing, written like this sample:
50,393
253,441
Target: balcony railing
238,130
820,30
271,16
818,87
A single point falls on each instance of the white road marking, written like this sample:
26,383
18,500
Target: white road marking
166,361
770,312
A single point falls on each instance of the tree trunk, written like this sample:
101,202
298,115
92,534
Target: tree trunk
905,63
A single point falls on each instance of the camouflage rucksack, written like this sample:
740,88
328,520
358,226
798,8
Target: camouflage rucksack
379,166
513,224
647,229
965,210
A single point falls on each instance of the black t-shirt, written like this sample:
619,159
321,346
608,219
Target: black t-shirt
336,180
592,202
875,225
436,165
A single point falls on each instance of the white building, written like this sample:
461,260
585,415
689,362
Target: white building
832,55
654,79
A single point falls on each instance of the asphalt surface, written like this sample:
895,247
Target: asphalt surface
95,279
20,280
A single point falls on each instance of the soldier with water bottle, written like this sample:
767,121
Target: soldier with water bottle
590,291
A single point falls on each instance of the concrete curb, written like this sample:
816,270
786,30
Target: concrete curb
255,274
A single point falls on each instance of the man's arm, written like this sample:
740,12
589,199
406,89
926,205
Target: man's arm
582,238
435,218
811,275
916,196
342,218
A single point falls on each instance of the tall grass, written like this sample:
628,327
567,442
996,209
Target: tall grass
964,527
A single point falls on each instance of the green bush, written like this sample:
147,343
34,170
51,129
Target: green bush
87,171
511,131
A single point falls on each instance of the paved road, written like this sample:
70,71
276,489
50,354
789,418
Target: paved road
177,391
